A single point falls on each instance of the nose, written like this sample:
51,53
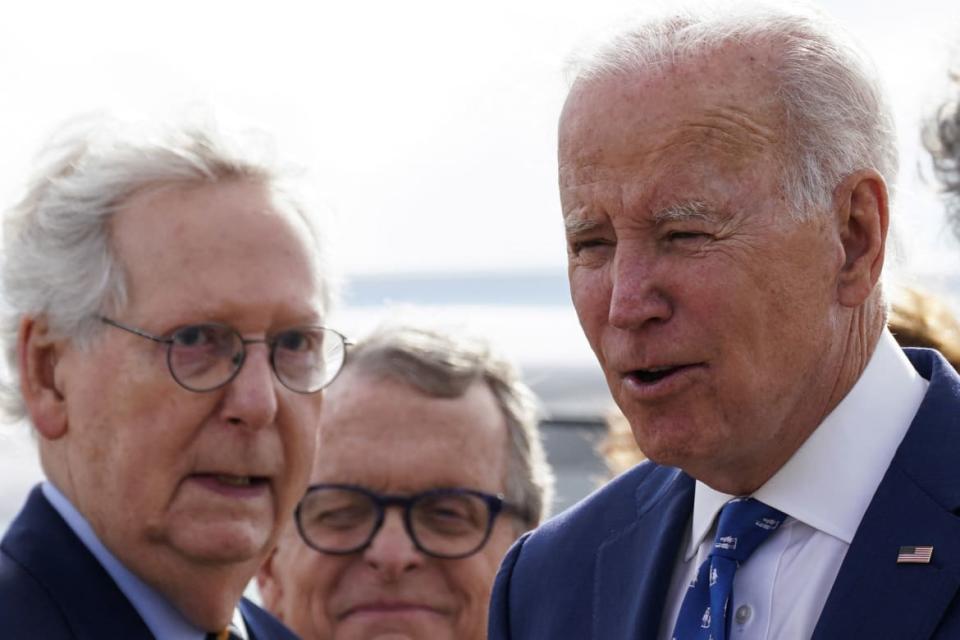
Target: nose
251,397
638,296
391,552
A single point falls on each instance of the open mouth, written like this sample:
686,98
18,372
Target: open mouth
239,482
656,374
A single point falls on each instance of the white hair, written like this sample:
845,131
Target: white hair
444,365
837,118
58,259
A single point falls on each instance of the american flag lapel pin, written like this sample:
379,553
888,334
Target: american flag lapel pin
914,555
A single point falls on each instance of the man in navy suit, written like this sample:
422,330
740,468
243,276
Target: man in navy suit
165,331
724,180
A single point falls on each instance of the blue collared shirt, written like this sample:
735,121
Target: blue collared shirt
162,618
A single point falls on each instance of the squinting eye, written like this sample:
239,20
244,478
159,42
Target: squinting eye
579,246
198,335
686,235
450,509
342,518
296,340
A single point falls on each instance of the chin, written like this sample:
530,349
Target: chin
224,543
670,447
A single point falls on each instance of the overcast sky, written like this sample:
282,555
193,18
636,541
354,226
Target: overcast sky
429,127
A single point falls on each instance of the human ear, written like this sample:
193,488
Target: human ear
270,590
862,207
37,358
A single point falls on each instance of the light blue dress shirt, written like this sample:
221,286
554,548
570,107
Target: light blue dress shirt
162,618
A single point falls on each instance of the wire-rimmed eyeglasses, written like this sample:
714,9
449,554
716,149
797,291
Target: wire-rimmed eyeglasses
204,357
444,523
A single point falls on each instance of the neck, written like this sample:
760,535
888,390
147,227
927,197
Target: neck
841,367
204,595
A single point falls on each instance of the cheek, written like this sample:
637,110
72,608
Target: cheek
478,572
134,400
784,309
132,432
591,299
299,429
473,583
307,595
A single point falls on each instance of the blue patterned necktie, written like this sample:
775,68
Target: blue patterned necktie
744,524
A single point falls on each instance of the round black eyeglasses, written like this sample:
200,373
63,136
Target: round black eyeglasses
444,523
204,357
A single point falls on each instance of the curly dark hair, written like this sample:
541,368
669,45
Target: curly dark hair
941,137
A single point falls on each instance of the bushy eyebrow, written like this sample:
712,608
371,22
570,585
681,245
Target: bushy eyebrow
685,211
693,210
579,226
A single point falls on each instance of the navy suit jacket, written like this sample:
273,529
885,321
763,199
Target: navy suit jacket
601,570
53,588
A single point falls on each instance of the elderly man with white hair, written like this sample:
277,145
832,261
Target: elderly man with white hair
724,180
166,303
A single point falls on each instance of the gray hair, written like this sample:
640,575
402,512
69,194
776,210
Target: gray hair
837,119
941,136
58,260
445,366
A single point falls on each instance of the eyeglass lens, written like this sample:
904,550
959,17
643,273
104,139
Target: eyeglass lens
205,356
339,520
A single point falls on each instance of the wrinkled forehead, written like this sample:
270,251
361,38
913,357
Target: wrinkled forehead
382,430
722,102
203,238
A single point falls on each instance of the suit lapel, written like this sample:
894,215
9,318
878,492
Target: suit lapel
873,596
261,625
915,504
634,566
89,599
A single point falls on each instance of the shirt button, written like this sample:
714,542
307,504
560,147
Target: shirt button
743,614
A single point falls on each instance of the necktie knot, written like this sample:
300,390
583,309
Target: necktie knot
743,525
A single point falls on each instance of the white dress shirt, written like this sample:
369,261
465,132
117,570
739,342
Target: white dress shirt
824,489
163,619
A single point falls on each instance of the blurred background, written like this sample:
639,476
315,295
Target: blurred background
428,132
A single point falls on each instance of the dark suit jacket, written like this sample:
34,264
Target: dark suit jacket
601,570
53,588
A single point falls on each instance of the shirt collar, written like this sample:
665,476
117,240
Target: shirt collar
830,480
162,618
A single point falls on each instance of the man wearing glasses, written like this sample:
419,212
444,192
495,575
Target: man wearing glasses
429,467
165,329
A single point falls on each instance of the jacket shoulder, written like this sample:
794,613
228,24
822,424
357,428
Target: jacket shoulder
544,587
607,510
262,625
27,610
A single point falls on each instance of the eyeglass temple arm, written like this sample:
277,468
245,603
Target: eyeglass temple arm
133,330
